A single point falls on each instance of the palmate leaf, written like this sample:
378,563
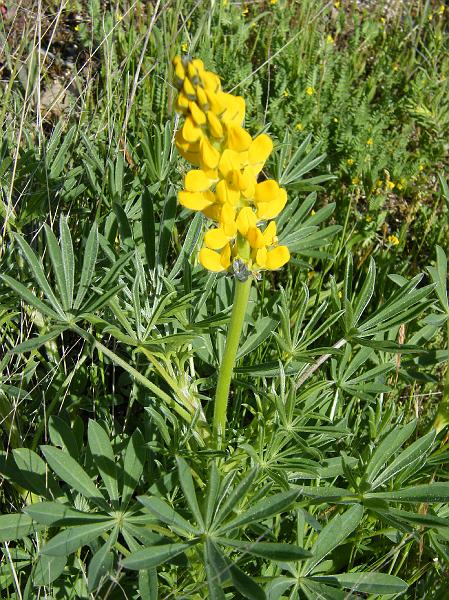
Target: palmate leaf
434,492
103,456
333,534
72,538
385,450
368,582
155,555
39,275
16,526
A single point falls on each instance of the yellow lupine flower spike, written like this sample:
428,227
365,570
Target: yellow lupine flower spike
225,187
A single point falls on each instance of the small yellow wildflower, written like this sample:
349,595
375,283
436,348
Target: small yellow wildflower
310,90
285,93
369,142
312,212
368,218
350,161
379,183
393,240
185,47
421,167
382,20
340,294
299,126
337,4
395,67
355,181
245,11
225,3
335,120
391,185
273,2
441,9
330,39
77,27
400,186
118,17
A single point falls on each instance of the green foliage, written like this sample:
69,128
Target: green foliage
334,480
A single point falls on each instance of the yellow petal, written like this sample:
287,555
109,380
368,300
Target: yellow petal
269,235
189,151
227,216
238,138
179,74
261,257
225,256
177,60
211,260
246,219
215,239
197,181
259,151
216,105
189,90
182,103
277,258
266,191
198,64
190,131
197,114
255,238
211,81
209,155
215,126
212,212
196,200
226,194
235,108
202,98
192,73
270,199
229,162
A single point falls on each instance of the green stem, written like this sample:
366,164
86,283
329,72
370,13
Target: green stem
241,295
442,418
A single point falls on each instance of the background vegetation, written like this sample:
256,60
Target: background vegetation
111,334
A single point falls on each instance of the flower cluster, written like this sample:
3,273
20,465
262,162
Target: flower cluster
225,185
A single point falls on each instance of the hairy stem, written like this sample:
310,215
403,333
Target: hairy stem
241,295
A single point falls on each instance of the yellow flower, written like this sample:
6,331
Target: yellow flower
225,187
299,127
245,11
350,161
285,93
273,2
337,4
369,142
400,186
441,9
395,67
185,47
421,167
368,218
391,185
329,39
355,181
335,120
310,90
393,240
225,3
